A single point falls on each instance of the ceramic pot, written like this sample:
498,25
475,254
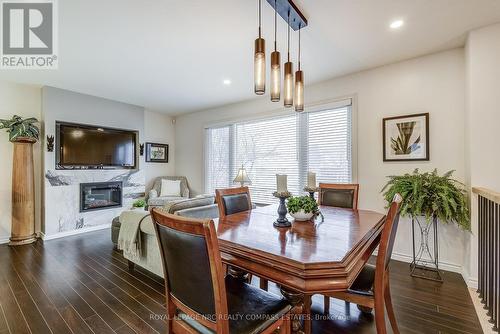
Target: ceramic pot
302,216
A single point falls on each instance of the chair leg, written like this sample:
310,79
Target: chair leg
307,313
131,266
264,283
380,310
286,327
326,305
388,305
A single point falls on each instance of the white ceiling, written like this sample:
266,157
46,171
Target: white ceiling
173,55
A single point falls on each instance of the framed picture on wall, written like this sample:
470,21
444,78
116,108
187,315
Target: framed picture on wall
406,138
156,152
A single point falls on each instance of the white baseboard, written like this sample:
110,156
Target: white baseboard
73,232
472,282
4,240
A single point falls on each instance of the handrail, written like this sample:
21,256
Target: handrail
487,193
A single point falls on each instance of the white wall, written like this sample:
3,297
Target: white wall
433,84
483,118
24,101
158,128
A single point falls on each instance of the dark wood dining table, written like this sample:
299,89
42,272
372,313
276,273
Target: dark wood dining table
311,257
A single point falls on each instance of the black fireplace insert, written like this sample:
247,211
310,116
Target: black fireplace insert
100,195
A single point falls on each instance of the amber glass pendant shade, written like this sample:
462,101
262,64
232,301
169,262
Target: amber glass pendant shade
259,61
288,85
299,91
260,67
275,76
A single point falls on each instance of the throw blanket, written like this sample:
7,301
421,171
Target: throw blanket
129,237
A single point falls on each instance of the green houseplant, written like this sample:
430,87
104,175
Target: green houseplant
302,207
140,203
17,127
431,195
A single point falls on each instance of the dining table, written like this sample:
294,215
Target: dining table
318,256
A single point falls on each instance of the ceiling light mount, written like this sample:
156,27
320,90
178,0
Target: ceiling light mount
287,7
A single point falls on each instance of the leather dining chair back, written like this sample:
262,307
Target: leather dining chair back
200,298
339,195
194,279
233,200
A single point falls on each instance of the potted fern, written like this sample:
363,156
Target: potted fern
428,198
23,133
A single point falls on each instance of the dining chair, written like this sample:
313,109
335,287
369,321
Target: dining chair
199,298
235,200
370,290
339,195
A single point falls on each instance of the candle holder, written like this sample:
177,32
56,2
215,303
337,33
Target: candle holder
282,221
311,191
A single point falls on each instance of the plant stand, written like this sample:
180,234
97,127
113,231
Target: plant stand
23,193
425,263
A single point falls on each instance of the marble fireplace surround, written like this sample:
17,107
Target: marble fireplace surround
62,199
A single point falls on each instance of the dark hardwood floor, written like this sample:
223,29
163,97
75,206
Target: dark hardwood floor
80,285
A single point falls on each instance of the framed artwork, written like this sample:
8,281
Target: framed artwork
156,152
406,138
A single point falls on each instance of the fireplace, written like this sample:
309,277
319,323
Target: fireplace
101,195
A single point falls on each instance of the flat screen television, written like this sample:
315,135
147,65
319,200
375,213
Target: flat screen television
80,146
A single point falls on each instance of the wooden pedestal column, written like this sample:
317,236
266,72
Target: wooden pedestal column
23,193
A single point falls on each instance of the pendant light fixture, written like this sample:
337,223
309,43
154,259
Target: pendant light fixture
260,60
275,65
299,85
288,82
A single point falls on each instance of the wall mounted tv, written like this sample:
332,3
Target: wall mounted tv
80,146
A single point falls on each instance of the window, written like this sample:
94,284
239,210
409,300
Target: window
318,141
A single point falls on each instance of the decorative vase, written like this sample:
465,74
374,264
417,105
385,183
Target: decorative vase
302,216
23,193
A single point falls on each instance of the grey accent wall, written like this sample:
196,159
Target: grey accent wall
61,199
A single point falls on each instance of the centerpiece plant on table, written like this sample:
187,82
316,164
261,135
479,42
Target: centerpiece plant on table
302,208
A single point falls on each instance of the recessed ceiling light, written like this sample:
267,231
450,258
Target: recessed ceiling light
397,24
226,82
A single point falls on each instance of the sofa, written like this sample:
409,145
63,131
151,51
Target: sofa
154,197
203,206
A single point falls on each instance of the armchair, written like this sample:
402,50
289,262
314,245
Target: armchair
154,198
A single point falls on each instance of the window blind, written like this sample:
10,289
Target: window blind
319,141
217,167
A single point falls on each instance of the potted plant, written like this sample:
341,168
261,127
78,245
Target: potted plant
431,196
428,198
139,204
302,208
23,133
21,129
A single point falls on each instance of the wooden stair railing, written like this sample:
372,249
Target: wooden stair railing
488,215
